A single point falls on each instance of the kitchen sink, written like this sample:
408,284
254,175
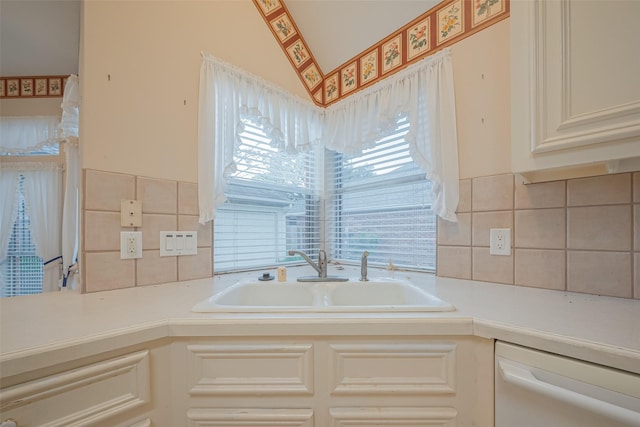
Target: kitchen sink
377,295
259,294
396,294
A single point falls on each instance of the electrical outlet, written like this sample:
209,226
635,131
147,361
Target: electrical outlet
130,244
500,241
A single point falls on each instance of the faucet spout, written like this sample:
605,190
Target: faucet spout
363,267
321,267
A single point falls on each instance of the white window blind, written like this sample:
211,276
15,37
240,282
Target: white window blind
22,270
381,202
272,205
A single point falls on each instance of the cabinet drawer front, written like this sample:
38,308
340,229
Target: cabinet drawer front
250,417
393,417
250,369
82,396
412,368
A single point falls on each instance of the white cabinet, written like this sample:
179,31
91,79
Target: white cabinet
575,90
339,382
125,387
94,394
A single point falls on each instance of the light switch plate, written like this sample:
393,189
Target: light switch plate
130,213
175,243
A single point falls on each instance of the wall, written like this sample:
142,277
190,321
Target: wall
167,205
580,235
31,107
552,223
483,101
140,64
139,68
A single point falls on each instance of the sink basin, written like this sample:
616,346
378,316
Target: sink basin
378,295
386,294
252,295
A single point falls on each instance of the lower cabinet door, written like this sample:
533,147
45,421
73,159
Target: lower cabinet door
250,417
88,395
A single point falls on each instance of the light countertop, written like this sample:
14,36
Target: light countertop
41,330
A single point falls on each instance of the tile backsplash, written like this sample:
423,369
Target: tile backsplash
580,235
166,205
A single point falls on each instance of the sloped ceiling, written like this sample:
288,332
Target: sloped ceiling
336,31
41,37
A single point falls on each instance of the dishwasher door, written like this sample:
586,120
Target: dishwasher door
537,389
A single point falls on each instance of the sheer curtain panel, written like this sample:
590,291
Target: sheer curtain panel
43,199
20,135
229,95
8,209
424,93
69,136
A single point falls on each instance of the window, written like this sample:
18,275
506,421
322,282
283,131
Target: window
22,270
381,202
272,205
378,201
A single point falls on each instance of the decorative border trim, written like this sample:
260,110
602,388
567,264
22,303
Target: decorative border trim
32,86
439,27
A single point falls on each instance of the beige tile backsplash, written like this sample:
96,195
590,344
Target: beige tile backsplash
580,235
166,205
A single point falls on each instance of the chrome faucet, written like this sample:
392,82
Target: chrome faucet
363,267
321,267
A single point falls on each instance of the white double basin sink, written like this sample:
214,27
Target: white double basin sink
377,295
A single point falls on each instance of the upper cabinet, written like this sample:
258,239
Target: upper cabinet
575,94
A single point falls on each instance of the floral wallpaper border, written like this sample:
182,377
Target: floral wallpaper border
439,27
32,86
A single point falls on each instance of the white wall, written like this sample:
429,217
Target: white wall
30,107
481,71
137,122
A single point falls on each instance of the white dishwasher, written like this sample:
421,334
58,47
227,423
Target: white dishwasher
538,389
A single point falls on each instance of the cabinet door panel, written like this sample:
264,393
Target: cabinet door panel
250,417
382,368
250,369
575,92
584,78
80,397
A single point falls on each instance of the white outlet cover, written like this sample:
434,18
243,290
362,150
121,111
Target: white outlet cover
500,241
130,244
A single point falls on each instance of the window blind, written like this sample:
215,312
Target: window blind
380,202
272,205
22,269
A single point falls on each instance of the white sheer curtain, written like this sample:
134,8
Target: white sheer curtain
68,134
43,202
425,93
27,133
8,209
229,94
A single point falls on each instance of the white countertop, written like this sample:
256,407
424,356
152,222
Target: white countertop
41,330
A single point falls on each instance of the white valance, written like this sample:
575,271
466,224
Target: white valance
424,92
227,96
26,134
